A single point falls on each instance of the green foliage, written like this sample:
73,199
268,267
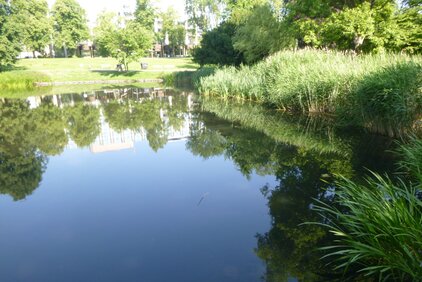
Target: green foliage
9,35
145,14
21,164
331,82
410,25
138,116
390,99
83,124
240,10
217,47
129,43
411,158
202,12
261,34
311,134
49,135
20,81
70,24
173,31
380,229
35,25
104,29
348,29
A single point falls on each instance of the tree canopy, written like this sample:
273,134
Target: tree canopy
263,27
9,35
69,23
129,43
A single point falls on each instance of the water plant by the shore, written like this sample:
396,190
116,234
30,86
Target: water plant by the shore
20,80
382,92
378,224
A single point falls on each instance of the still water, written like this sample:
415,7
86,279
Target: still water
152,185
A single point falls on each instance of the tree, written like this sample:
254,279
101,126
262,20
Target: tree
70,24
83,123
349,28
129,43
105,27
169,27
35,24
9,35
409,21
21,163
262,34
177,38
204,14
145,14
217,47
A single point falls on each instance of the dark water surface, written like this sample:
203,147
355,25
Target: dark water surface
151,185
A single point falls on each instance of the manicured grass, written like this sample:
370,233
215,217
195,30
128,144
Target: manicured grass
84,69
19,82
380,92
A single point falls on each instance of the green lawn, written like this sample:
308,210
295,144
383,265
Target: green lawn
85,69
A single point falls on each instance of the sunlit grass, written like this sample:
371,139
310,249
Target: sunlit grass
20,82
83,69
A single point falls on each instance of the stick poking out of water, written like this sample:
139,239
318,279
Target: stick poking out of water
202,198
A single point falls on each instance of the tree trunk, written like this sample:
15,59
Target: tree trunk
33,54
65,50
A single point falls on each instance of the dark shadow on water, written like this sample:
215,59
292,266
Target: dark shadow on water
113,73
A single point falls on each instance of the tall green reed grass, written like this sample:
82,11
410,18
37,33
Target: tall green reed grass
18,80
380,92
378,224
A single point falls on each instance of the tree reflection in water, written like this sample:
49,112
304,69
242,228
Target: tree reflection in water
303,155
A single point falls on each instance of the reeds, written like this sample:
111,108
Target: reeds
378,225
19,81
380,92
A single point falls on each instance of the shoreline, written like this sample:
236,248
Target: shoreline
92,82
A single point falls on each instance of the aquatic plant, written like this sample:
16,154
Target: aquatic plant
378,223
381,92
18,81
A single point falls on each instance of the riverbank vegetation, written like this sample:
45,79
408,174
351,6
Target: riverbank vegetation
378,225
357,60
381,92
20,81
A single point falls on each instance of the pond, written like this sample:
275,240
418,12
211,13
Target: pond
159,185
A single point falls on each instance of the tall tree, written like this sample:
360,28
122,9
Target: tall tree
105,27
145,14
172,30
217,47
35,27
129,43
204,14
70,24
268,32
9,35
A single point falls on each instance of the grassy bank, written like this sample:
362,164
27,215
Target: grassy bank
14,81
20,81
379,92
